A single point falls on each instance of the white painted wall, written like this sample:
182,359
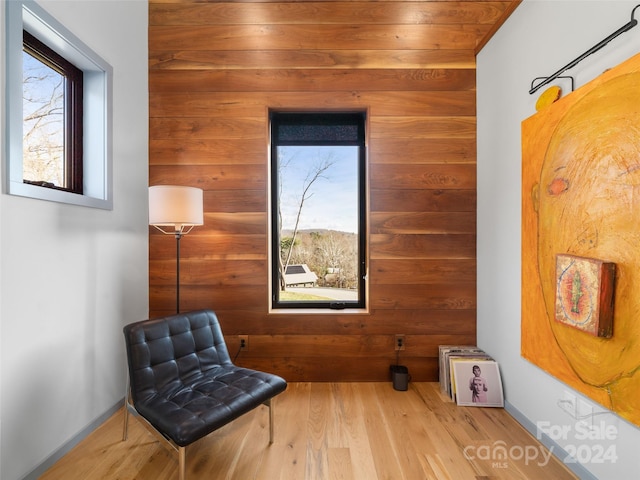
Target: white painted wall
72,277
538,39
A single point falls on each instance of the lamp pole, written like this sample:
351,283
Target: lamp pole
178,237
179,207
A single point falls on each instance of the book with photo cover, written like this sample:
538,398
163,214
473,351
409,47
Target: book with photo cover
468,355
477,382
444,353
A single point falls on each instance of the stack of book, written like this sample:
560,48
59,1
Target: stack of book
462,359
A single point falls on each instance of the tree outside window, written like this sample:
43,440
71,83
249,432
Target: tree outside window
52,118
318,205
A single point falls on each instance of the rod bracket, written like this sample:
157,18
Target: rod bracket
546,80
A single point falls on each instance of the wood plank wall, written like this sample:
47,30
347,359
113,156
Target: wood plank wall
215,69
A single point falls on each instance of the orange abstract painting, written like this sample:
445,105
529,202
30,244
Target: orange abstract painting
581,198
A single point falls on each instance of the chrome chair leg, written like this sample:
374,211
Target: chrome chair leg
269,404
125,426
182,460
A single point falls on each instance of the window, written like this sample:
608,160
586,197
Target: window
318,210
58,113
52,118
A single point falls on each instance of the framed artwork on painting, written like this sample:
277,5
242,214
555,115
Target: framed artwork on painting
584,294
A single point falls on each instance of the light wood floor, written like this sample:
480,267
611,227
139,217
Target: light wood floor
351,431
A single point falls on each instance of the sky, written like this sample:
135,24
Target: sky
43,135
334,201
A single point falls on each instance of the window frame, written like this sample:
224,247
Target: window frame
73,100
276,117
97,108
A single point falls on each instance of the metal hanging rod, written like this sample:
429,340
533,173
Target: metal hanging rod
625,28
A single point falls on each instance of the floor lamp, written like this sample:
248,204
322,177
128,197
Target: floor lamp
180,208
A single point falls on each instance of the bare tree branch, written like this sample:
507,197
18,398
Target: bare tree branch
315,173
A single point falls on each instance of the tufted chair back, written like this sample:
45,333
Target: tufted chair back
164,354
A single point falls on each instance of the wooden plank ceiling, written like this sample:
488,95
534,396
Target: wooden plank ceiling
215,68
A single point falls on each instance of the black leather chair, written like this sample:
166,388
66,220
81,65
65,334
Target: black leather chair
183,383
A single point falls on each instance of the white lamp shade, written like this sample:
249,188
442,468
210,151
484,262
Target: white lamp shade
175,205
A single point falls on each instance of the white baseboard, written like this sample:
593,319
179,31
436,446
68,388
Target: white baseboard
556,449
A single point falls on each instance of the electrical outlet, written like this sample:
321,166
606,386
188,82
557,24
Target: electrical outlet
400,342
244,342
568,403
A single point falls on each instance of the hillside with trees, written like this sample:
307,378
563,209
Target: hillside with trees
332,255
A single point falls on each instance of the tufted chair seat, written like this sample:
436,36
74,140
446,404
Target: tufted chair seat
183,382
